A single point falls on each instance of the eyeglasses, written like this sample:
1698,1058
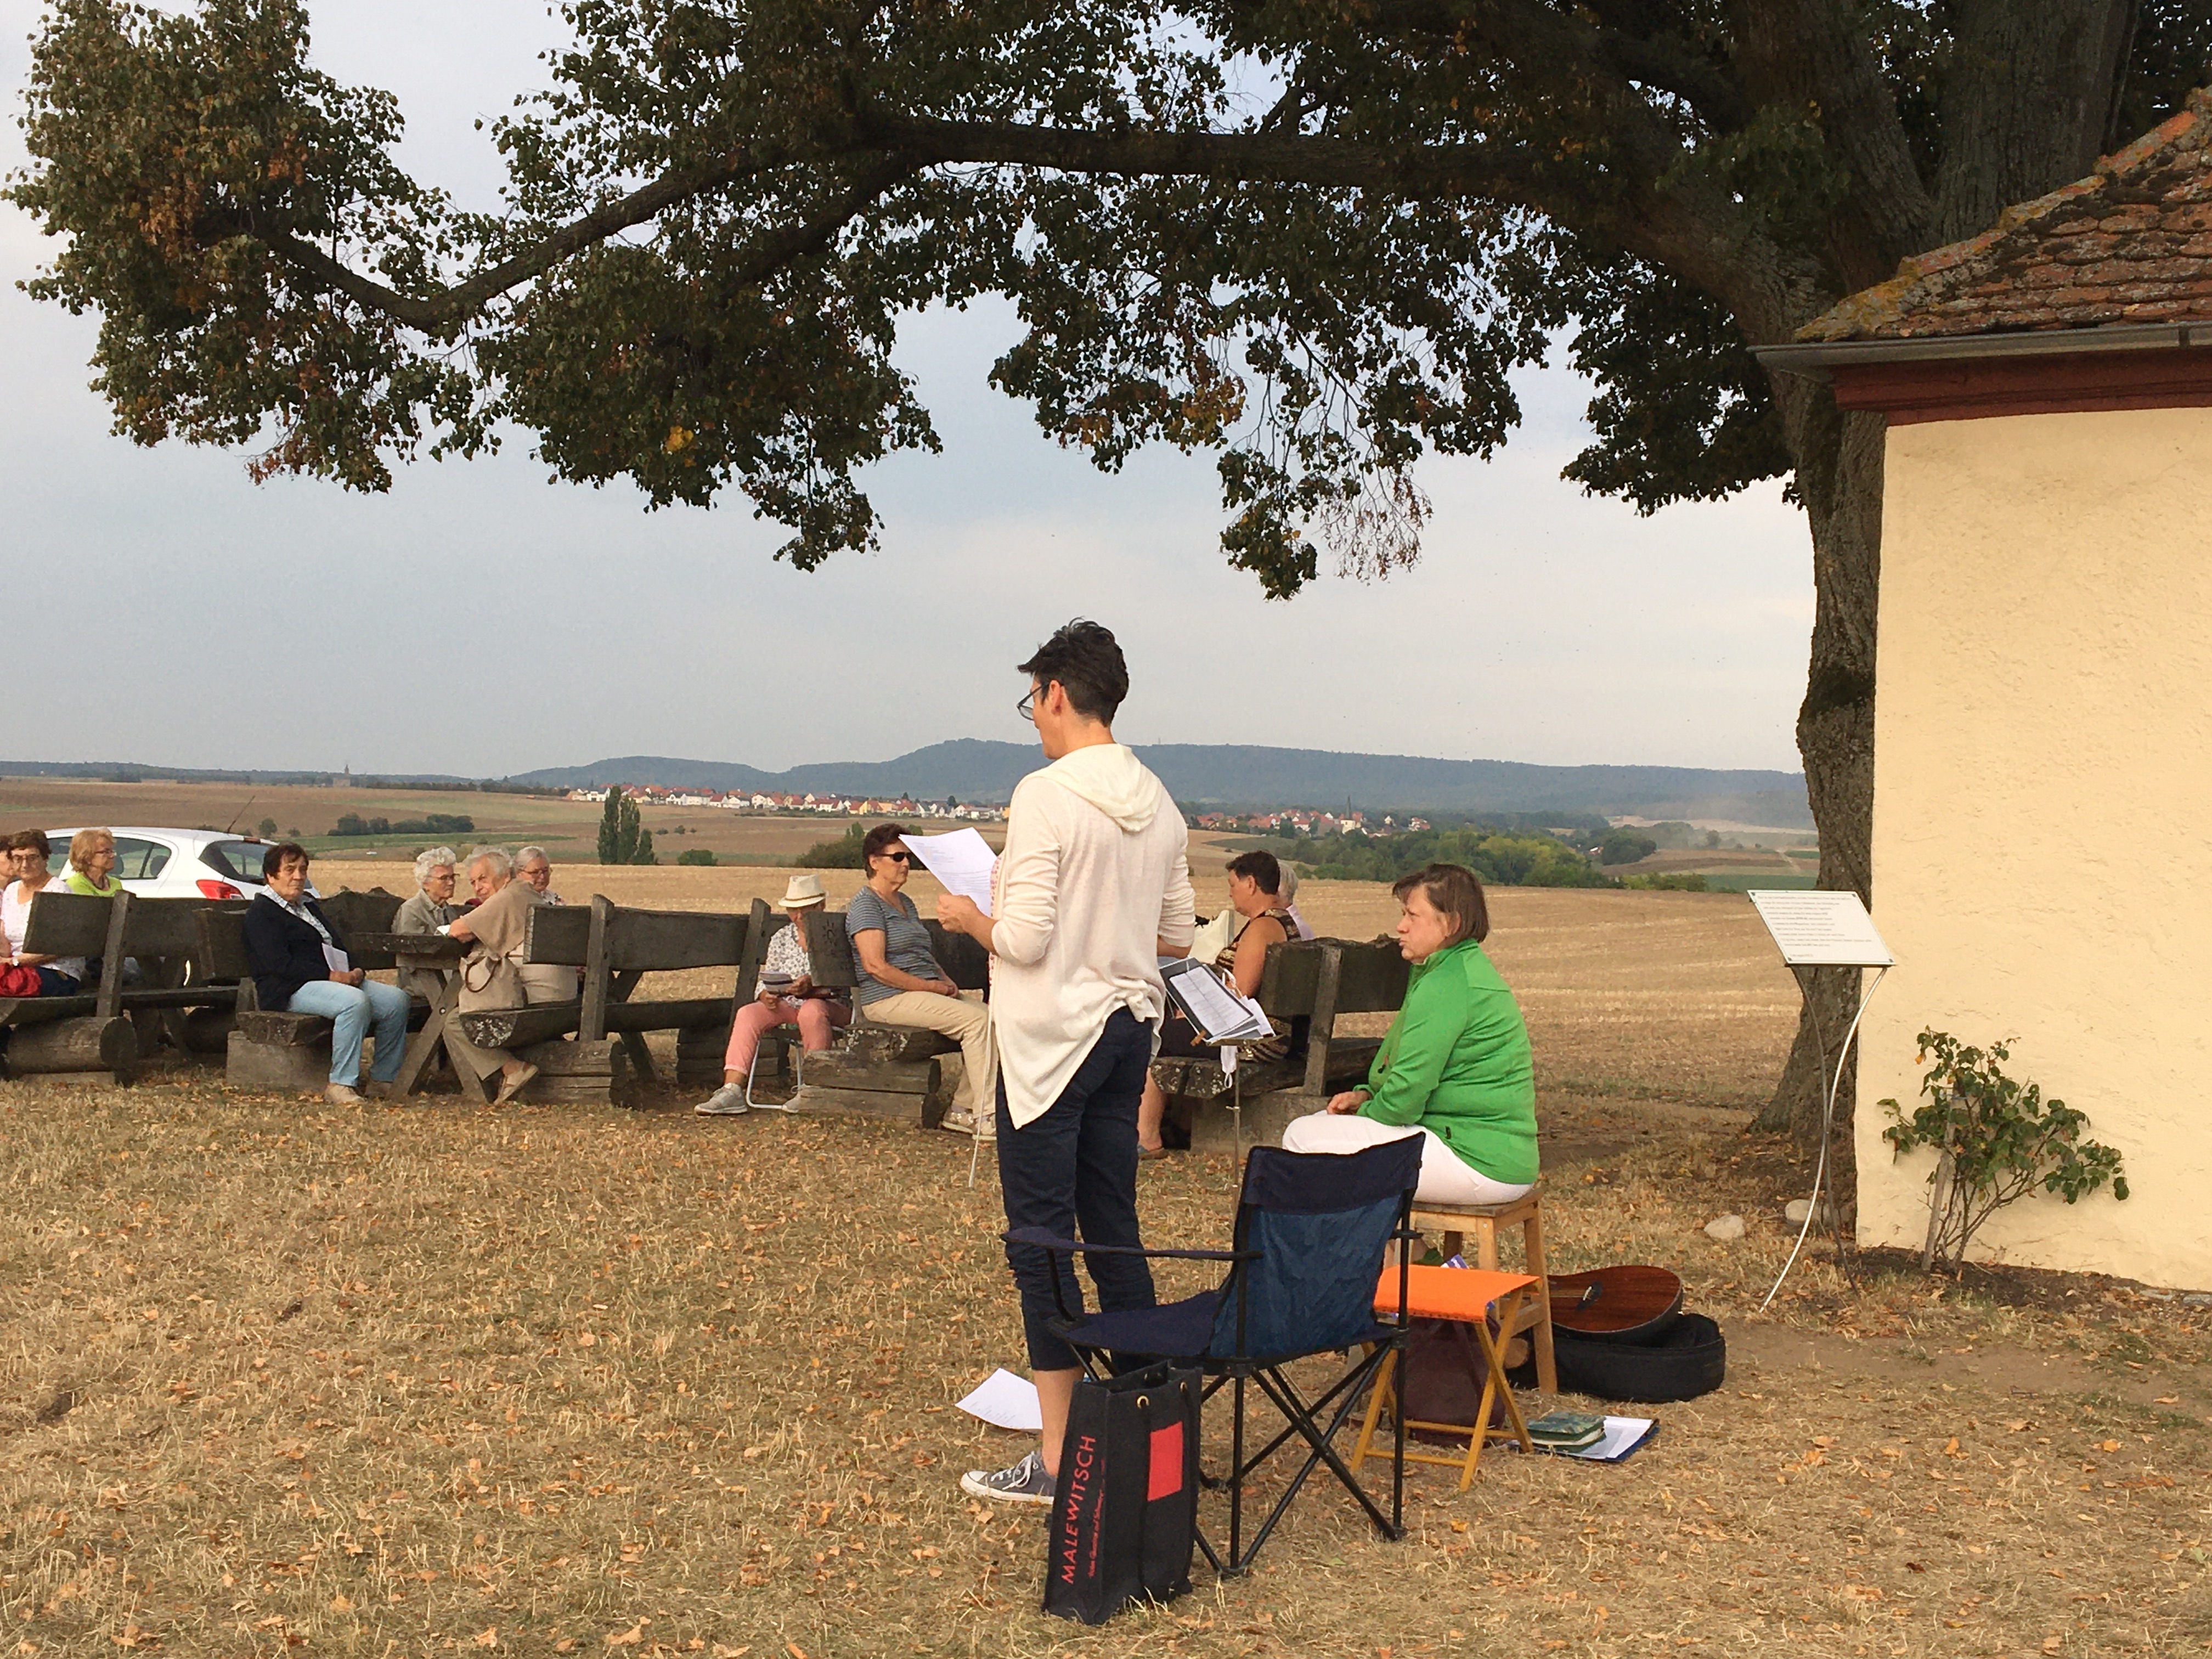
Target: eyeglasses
1027,707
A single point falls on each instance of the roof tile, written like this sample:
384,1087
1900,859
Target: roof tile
2132,243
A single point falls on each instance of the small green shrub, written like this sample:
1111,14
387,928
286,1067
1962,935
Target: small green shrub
1997,1139
1678,883
1624,847
694,856
843,853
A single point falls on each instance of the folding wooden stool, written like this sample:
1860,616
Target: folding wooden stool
1454,1221
1464,1294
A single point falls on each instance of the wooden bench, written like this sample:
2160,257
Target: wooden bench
269,1049
616,948
1318,980
881,1071
110,1028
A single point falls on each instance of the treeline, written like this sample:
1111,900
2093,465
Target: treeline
1501,857
437,824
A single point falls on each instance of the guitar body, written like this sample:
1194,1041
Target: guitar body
1631,1305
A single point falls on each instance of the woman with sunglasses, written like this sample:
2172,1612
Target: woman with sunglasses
902,984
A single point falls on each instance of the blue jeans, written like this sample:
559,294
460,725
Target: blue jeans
351,1010
1073,1170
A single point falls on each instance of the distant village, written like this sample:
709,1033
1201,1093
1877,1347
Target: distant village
1287,821
783,804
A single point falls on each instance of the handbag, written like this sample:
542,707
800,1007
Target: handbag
17,980
1443,1371
1125,1506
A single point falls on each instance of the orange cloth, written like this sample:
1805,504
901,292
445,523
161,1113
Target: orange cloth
1461,1293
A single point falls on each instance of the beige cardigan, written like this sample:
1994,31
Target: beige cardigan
1094,878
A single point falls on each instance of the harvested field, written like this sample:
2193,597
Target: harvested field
428,1379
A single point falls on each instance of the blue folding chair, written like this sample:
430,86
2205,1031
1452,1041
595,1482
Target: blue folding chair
1311,1229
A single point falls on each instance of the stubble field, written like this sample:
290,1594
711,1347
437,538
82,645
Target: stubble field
428,1379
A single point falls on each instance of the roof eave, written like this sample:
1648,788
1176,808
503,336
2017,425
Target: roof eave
1815,359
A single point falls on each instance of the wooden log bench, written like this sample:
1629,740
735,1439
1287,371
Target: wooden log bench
878,1070
111,1027
586,1050
271,1051
1319,980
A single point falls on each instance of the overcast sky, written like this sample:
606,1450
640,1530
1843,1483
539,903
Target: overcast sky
292,625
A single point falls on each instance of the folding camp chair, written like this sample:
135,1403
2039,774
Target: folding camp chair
1311,1229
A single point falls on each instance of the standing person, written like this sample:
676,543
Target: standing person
901,982
1093,889
787,995
543,982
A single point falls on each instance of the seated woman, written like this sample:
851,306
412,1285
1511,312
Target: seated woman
788,995
491,973
544,982
1456,1066
300,967
431,908
28,854
1260,919
900,983
92,864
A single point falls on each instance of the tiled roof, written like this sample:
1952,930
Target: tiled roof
2132,243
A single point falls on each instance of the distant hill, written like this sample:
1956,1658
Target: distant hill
1225,775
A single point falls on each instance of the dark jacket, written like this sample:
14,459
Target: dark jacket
284,951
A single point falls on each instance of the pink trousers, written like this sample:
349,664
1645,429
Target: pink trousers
816,1017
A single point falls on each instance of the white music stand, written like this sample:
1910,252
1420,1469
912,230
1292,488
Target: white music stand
1817,928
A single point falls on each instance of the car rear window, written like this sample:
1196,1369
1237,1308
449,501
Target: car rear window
136,858
239,860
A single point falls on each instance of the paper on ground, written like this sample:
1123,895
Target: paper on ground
1622,1435
1006,1401
962,862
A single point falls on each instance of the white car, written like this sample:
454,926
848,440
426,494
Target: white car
177,863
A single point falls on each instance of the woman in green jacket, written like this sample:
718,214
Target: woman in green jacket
1456,1066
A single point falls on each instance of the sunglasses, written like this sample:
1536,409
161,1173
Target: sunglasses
901,856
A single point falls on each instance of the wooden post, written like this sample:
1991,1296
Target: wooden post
591,1025
109,1001
92,1044
1323,1023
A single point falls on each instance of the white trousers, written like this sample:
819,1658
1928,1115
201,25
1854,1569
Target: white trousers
1445,1178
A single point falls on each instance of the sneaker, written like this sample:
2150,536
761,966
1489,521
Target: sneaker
958,1121
342,1094
728,1101
1025,1482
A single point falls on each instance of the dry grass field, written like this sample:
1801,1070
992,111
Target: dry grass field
429,1380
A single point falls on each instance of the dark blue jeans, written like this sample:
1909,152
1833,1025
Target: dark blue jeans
1074,1171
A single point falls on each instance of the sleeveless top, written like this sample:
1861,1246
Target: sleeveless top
1276,1046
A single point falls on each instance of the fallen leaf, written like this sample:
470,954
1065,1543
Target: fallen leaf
721,1652
2168,1400
626,1638
339,1604
488,1638
584,1339
2108,1445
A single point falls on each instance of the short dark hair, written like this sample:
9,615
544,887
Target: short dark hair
879,840
31,840
1085,661
1262,867
1455,891
275,858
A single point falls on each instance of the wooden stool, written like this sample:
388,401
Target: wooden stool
1465,1295
1454,1221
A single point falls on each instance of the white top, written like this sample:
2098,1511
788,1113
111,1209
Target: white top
16,917
1093,879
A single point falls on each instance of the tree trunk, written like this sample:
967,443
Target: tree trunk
1839,478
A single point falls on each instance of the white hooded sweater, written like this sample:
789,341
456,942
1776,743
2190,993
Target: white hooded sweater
1094,876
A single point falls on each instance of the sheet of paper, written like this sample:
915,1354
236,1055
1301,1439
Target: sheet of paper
962,862
1817,928
1006,1401
1221,1015
1622,1435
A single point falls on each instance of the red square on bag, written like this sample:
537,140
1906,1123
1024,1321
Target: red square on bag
1167,1463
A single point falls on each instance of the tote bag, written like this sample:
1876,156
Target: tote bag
1124,1506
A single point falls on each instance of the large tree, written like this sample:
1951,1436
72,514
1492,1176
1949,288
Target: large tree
1312,236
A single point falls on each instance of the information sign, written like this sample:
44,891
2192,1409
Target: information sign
1817,928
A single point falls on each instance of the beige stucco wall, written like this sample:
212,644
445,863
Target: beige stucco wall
2043,790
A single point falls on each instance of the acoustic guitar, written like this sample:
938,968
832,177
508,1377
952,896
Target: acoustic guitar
1633,1305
